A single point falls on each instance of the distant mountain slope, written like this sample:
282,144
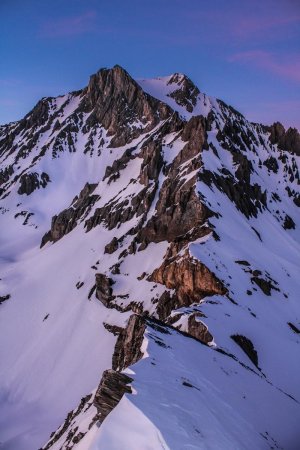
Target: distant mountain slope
149,247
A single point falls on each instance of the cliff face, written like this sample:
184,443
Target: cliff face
189,278
286,139
116,101
137,216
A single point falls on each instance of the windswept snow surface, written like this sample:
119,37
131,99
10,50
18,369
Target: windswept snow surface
197,399
162,87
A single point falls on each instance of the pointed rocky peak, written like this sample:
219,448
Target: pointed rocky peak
117,102
286,139
112,81
179,79
277,131
186,94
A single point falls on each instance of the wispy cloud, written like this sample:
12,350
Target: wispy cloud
248,26
287,67
69,26
9,82
258,23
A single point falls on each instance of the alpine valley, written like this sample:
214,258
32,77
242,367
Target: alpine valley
149,291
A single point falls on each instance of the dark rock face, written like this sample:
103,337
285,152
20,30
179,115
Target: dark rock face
244,169
288,224
128,347
104,289
116,212
187,93
112,246
119,104
287,140
198,330
29,182
114,329
179,208
178,211
264,285
152,162
5,174
277,132
272,164
113,172
248,198
67,220
294,328
112,387
72,437
38,115
4,298
247,346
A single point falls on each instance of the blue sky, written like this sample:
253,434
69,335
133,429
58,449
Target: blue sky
245,52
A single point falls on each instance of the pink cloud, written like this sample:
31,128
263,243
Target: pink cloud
256,22
69,26
247,26
287,67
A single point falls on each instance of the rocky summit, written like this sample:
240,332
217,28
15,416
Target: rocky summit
149,272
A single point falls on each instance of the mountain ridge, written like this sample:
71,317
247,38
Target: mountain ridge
162,214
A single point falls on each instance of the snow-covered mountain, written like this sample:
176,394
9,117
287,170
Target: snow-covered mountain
149,291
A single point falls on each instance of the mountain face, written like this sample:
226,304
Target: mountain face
149,291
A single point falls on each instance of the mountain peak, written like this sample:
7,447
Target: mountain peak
116,100
286,139
179,78
187,92
188,228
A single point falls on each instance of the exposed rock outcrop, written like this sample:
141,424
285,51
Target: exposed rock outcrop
264,285
117,102
198,329
69,426
294,328
104,291
286,139
111,389
247,346
4,298
5,174
191,280
187,93
29,182
248,198
152,162
244,167
179,209
37,116
113,172
271,164
112,246
68,219
128,347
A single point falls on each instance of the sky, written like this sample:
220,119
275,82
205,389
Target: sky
245,52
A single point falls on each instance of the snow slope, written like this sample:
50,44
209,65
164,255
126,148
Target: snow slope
200,399
54,344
